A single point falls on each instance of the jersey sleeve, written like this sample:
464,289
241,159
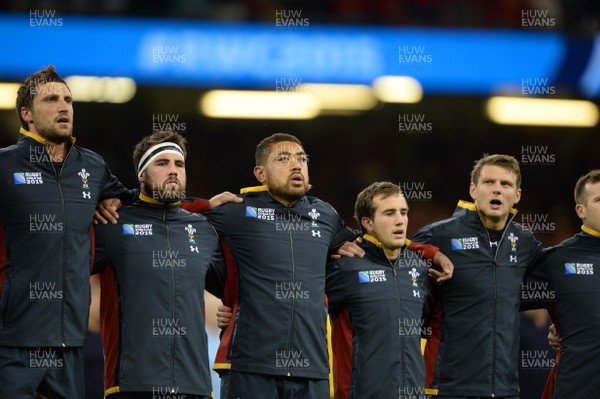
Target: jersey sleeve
216,274
536,292
427,251
218,217
342,234
536,255
334,287
428,288
215,216
424,236
112,188
195,205
100,256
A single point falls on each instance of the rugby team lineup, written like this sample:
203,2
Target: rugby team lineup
317,209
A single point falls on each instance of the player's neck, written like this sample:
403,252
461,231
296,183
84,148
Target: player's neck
392,253
493,223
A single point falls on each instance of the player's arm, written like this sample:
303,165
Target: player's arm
345,241
107,211
224,315
536,292
112,197
442,267
199,205
216,274
554,338
100,256
349,249
334,286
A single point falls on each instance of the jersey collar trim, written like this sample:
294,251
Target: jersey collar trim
37,137
256,189
472,207
590,231
378,243
150,200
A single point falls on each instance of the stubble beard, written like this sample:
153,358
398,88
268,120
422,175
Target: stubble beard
55,136
288,194
164,195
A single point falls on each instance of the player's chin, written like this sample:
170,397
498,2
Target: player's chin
297,191
395,243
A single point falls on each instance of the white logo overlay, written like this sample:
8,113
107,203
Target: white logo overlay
291,359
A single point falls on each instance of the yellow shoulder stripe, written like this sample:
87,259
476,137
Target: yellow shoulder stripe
253,189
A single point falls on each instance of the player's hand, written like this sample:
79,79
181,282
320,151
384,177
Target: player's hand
349,249
554,338
442,268
224,316
224,198
106,211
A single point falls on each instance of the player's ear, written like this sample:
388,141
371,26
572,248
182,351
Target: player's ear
472,188
259,173
26,114
580,210
367,224
518,196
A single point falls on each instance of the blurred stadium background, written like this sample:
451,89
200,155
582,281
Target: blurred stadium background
408,91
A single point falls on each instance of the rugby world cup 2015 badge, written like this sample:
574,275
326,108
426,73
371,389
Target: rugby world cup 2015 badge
137,229
260,213
584,269
28,178
465,243
371,276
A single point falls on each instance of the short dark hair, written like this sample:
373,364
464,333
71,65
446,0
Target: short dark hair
363,207
507,162
161,136
264,147
28,90
592,176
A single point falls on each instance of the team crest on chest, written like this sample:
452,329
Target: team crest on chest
84,181
190,233
513,247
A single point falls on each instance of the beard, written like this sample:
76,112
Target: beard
163,194
55,136
288,194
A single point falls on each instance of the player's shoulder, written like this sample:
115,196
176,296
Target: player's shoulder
354,263
522,231
444,224
577,242
89,155
6,153
191,217
316,202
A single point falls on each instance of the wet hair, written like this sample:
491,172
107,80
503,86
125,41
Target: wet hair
263,149
28,89
592,176
363,207
507,162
